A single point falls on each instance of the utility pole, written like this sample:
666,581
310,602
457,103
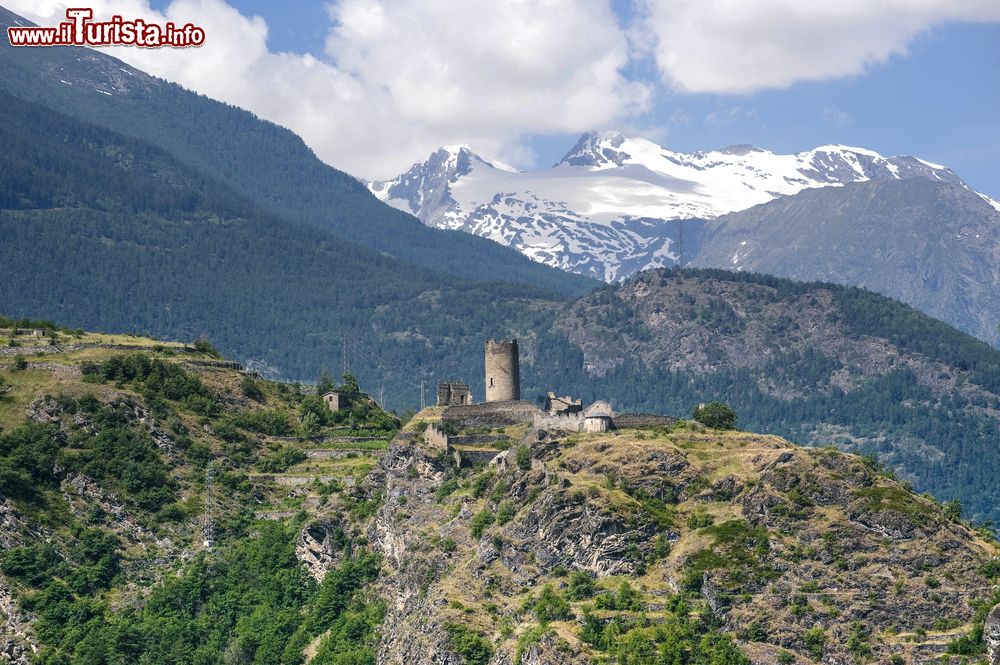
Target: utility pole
208,527
680,243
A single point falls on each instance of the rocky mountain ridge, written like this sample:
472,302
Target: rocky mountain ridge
785,555
614,205
606,209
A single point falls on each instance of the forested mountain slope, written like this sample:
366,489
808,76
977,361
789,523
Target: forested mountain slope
110,232
932,244
263,162
160,505
814,362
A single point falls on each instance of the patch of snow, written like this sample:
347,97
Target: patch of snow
992,202
612,205
937,167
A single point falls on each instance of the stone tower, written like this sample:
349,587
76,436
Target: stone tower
503,371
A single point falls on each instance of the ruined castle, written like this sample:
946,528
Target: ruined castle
504,407
503,371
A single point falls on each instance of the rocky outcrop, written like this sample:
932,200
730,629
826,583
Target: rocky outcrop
991,633
11,525
321,547
78,486
562,530
17,641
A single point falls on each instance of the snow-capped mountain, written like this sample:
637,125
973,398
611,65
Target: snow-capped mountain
615,204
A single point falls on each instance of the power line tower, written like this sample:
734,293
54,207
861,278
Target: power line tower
680,243
423,401
208,524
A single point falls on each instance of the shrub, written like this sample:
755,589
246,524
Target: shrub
625,599
251,389
505,512
815,641
991,568
700,520
281,460
524,458
550,606
20,364
480,522
581,585
270,422
469,644
715,415
206,347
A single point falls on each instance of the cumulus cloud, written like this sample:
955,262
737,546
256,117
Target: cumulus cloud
401,77
736,46
398,78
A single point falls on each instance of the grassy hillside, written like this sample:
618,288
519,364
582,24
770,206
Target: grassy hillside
262,162
158,504
684,545
113,455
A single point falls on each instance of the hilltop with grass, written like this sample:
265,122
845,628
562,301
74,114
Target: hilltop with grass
671,545
161,504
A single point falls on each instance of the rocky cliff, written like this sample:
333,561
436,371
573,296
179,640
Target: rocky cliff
733,546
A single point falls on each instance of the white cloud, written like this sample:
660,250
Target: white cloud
402,77
740,46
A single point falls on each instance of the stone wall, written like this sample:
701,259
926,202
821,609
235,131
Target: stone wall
452,393
567,422
475,439
471,458
642,420
436,438
494,415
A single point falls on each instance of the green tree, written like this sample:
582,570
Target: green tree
715,415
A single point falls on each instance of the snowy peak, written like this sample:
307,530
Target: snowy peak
597,150
839,164
425,189
614,204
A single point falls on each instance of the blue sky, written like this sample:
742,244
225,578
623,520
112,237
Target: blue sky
941,101
897,80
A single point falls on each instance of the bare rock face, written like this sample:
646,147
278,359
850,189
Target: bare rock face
17,641
321,548
991,633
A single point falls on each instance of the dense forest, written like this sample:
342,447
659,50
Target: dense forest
264,163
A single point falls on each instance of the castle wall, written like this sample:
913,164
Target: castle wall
567,422
451,393
493,415
642,420
436,438
503,372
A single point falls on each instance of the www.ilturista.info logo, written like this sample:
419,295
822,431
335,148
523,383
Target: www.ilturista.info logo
79,30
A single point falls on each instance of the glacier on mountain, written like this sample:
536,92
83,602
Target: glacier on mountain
617,204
